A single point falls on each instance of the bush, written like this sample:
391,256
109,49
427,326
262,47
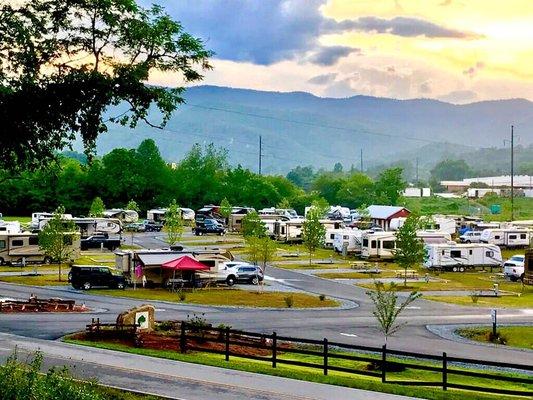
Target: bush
289,301
474,296
182,296
498,338
166,326
322,297
197,322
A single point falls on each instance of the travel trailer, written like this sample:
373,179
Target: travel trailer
351,239
511,237
332,224
38,216
435,223
378,245
9,227
235,219
24,247
460,257
288,231
91,226
158,214
125,216
282,212
330,237
434,236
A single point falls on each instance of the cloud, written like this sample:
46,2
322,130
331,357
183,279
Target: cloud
405,26
329,55
459,96
323,79
266,32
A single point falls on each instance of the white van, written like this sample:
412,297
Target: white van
470,237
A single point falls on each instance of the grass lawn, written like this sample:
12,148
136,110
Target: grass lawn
39,280
96,259
523,301
355,275
225,297
22,220
334,377
516,336
307,266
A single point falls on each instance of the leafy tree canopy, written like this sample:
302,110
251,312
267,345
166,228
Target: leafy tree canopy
81,59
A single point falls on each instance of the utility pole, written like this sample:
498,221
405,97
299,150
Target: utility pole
417,171
512,173
361,160
260,152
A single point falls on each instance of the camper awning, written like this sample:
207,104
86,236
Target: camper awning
185,263
157,259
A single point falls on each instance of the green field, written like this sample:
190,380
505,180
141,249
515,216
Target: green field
516,336
225,297
333,378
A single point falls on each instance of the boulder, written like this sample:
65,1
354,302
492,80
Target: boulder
143,316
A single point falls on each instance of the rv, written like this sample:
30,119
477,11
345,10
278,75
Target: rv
349,239
9,227
158,214
435,223
378,245
24,247
125,216
236,216
38,216
91,226
511,237
330,237
281,212
460,257
434,236
288,231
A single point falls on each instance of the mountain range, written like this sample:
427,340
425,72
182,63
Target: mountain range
298,128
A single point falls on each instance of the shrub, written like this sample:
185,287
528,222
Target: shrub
474,296
197,322
166,326
498,338
182,296
289,301
322,297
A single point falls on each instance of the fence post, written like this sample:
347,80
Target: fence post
325,356
274,349
227,343
384,364
444,372
183,339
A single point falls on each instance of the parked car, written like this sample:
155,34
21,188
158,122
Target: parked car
210,226
86,277
513,268
247,273
152,226
96,242
471,237
135,227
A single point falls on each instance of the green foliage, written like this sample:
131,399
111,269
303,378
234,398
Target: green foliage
132,205
289,300
253,226
173,224
387,309
313,232
284,204
260,250
410,249
451,170
56,238
97,207
389,186
225,208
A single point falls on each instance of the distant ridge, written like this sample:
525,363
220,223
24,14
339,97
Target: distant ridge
299,128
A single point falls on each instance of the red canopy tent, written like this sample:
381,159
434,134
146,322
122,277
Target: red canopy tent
185,263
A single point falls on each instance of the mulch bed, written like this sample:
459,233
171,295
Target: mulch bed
34,305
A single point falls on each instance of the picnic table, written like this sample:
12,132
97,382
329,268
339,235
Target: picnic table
365,268
410,273
176,285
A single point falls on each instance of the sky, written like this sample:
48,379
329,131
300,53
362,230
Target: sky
459,51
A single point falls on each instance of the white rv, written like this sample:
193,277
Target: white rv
125,216
351,239
434,236
38,216
511,237
9,227
460,257
435,223
330,237
19,247
378,245
91,226
288,231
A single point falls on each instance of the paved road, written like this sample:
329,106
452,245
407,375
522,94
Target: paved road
176,380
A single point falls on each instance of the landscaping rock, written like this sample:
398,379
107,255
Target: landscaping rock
144,316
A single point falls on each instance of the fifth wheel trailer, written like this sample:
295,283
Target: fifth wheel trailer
511,237
460,257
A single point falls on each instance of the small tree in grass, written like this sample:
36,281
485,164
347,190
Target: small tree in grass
56,238
387,309
410,250
173,224
132,205
252,225
313,232
225,209
97,207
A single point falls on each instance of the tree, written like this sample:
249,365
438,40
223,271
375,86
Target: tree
225,209
284,203
253,226
387,309
173,223
337,168
56,238
133,206
302,176
82,59
451,170
313,232
97,207
389,186
410,249
267,251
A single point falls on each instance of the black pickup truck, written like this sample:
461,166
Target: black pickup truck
96,241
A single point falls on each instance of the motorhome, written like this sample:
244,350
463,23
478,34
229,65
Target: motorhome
510,237
24,248
125,216
460,257
329,237
378,245
282,212
91,226
148,262
9,227
349,239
